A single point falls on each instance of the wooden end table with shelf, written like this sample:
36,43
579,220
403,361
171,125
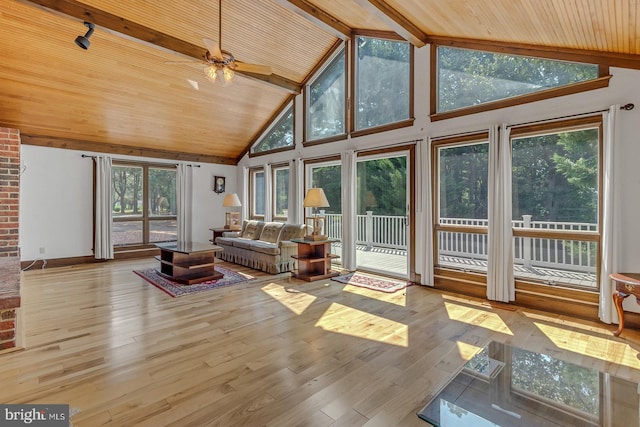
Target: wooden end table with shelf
314,259
188,262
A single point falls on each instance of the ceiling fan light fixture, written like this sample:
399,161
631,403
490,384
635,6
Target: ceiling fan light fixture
228,74
211,72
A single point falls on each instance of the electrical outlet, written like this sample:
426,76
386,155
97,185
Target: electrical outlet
41,251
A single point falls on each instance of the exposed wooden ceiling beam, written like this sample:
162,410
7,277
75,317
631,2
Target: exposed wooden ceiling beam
274,80
399,23
136,31
319,17
614,59
100,147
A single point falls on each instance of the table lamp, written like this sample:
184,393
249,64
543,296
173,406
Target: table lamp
232,219
315,199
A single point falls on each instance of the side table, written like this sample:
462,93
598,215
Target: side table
626,284
314,259
217,232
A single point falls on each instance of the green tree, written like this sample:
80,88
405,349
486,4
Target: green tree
470,77
281,135
329,179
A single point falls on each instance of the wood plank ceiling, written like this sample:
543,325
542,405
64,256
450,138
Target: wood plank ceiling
122,96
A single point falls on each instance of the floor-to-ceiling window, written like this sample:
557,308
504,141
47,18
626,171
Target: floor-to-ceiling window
144,203
556,182
280,176
461,209
328,176
256,192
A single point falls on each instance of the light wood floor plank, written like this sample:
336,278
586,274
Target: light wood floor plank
274,351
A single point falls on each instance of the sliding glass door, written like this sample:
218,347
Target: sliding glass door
382,213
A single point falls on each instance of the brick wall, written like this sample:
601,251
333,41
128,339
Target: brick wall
9,226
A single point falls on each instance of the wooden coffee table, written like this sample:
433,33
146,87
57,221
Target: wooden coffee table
188,262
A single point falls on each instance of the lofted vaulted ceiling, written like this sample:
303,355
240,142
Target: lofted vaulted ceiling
123,95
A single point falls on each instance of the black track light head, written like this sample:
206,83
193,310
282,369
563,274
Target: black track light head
83,41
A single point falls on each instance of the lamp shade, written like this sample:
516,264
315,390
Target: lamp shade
315,198
231,200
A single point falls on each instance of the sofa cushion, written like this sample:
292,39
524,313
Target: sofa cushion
252,229
226,240
291,231
265,248
271,232
243,243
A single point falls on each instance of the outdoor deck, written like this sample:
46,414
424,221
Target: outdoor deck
394,261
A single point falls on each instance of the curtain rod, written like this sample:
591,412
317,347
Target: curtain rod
188,164
453,135
626,107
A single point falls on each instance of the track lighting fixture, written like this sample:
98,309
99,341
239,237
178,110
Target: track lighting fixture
83,41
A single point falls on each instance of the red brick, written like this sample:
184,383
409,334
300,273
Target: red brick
7,325
10,302
7,335
8,344
7,314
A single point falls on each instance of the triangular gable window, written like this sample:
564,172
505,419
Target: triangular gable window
279,136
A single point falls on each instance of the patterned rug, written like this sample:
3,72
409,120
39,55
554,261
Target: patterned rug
174,289
377,283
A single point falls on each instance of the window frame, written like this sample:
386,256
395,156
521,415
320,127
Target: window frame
146,218
274,172
353,132
436,227
252,193
272,123
600,82
554,127
339,49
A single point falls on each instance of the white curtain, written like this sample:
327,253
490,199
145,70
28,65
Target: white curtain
103,244
348,160
296,191
500,282
609,257
268,193
184,184
244,197
425,205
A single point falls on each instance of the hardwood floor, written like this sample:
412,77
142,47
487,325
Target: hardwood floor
274,353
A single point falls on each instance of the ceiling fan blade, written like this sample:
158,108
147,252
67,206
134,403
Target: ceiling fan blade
181,62
253,68
213,48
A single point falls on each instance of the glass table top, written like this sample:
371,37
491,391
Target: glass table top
508,386
188,247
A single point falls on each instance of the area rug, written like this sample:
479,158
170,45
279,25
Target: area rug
174,289
372,282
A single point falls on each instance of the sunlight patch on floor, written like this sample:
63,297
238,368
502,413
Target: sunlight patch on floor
357,323
483,318
590,345
467,351
397,298
293,299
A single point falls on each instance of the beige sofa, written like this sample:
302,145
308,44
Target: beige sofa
265,246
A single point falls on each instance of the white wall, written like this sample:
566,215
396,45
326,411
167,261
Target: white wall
56,201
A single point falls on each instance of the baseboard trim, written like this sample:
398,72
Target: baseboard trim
89,259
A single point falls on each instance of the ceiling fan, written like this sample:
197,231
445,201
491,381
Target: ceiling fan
221,63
